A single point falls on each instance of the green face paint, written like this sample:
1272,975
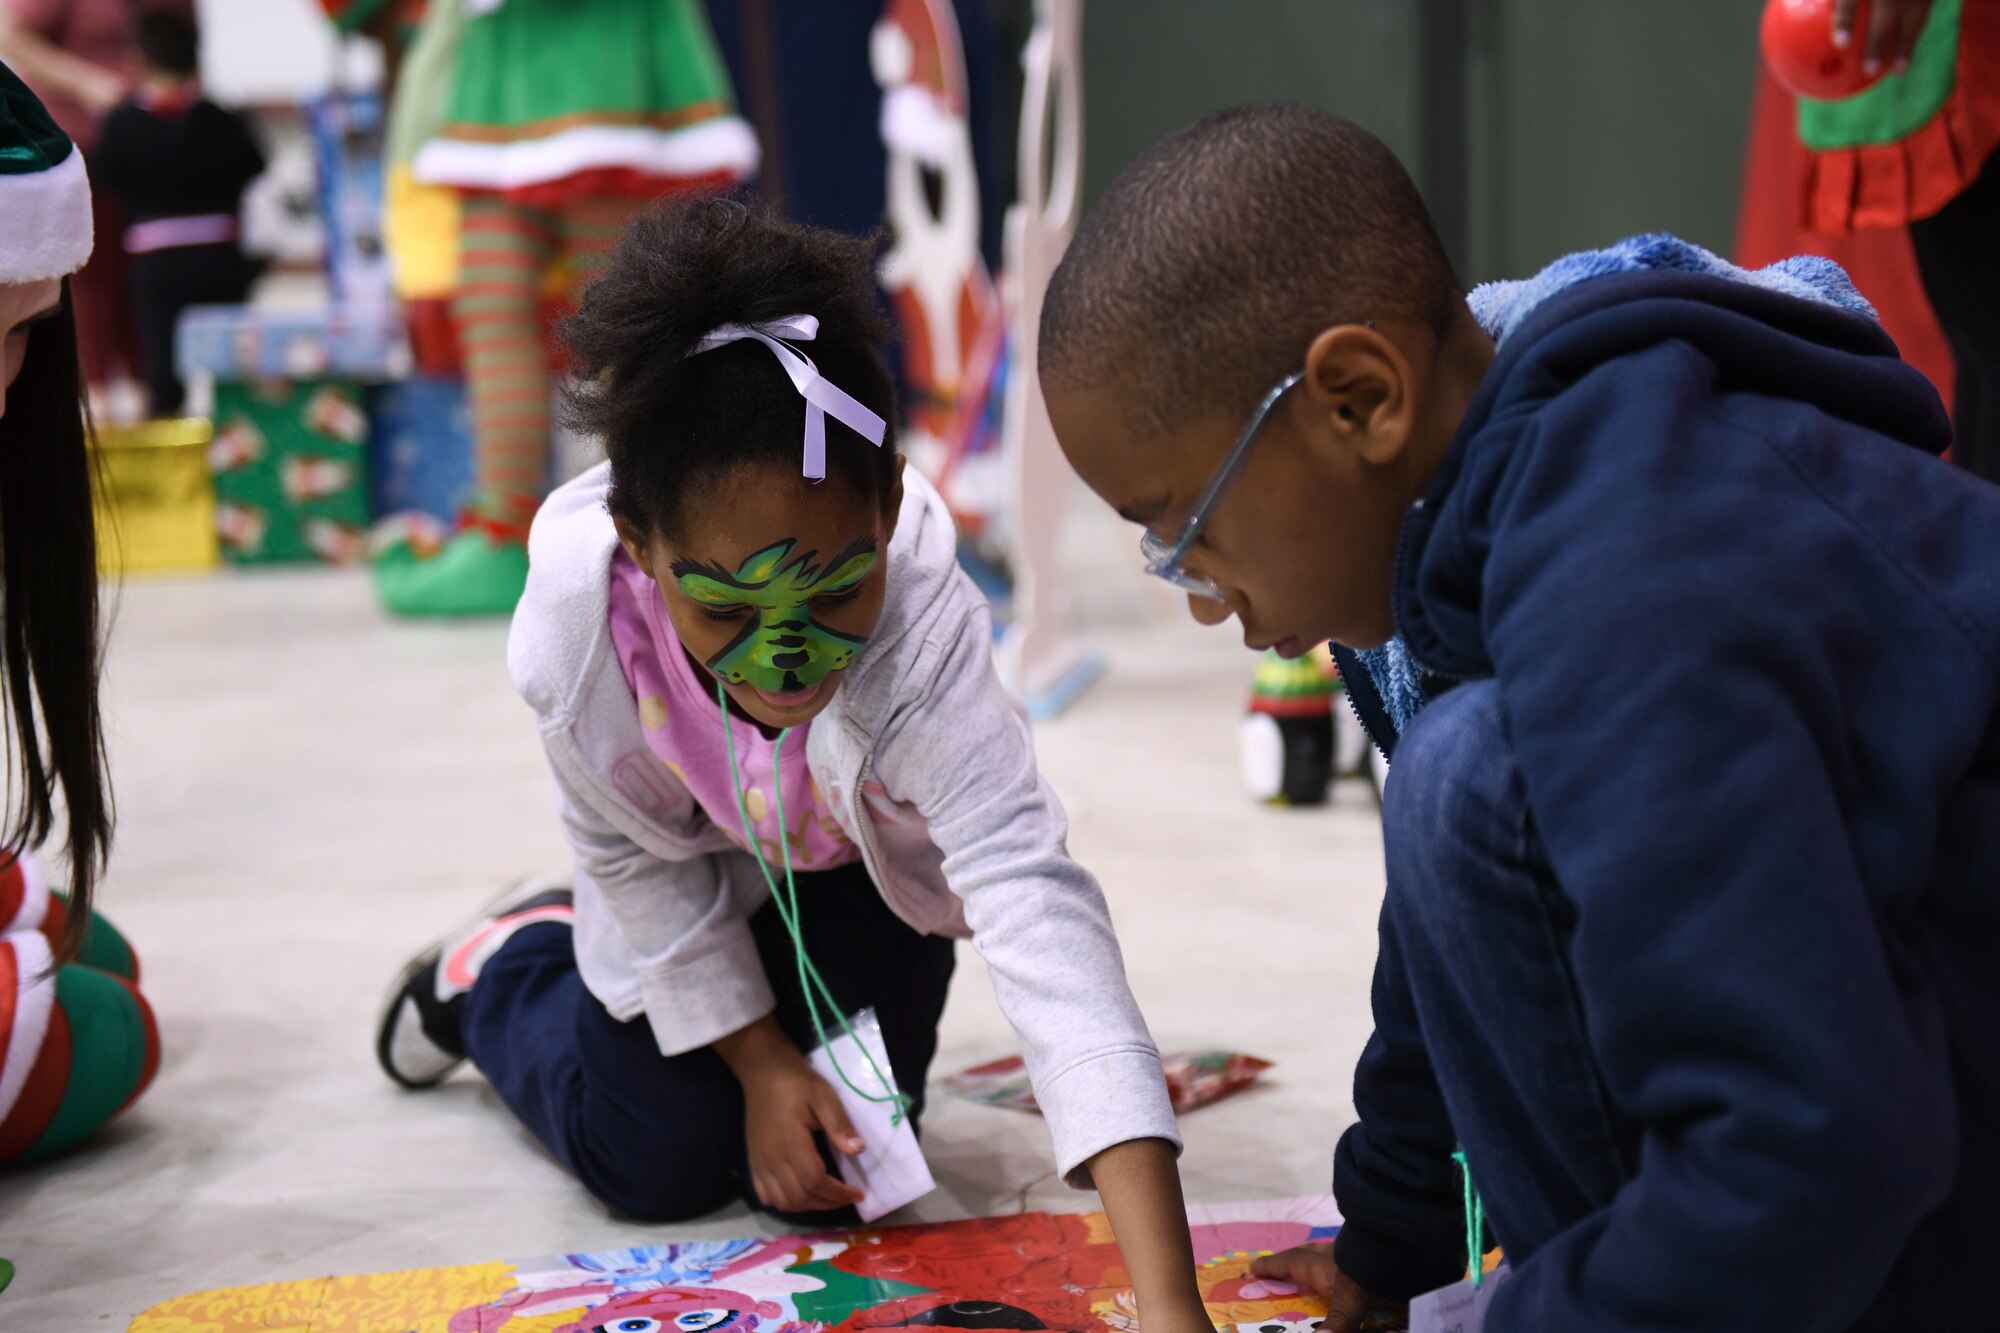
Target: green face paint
781,648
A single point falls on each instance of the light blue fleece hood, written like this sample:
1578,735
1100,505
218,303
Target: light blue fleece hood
1503,307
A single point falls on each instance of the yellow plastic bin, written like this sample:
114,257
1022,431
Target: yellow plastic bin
155,500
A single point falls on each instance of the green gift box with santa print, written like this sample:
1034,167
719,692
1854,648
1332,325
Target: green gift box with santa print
291,471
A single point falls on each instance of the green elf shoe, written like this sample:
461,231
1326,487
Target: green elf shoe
80,1047
105,947
28,902
476,574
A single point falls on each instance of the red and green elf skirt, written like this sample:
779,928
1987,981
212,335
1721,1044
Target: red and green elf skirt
1906,147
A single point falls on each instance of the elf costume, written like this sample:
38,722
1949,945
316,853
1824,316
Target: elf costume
44,193
563,118
1917,151
1906,147
76,1047
77,1044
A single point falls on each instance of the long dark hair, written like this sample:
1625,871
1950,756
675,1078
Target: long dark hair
50,646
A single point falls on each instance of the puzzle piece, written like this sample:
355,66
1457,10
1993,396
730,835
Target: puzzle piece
843,1293
1028,1271
263,1308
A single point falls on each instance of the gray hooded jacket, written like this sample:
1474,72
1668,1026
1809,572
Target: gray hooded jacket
929,767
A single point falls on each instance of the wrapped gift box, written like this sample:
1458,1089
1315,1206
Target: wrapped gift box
289,459
155,504
420,447
234,342
289,456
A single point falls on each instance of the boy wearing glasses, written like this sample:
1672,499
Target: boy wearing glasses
1688,650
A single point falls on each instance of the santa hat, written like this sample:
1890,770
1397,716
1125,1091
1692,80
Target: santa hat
44,195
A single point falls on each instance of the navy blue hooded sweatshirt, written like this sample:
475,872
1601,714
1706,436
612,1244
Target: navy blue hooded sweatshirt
1746,633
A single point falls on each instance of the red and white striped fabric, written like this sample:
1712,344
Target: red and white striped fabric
27,999
24,894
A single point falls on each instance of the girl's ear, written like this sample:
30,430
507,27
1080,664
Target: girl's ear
635,546
895,502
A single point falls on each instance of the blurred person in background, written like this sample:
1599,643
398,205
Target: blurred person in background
561,119
77,56
1913,149
179,165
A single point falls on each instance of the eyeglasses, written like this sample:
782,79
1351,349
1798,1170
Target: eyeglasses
1163,561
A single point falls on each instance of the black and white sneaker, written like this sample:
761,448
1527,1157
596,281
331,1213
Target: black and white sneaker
419,1042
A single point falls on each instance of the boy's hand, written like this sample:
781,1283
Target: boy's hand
1312,1267
1893,26
784,1104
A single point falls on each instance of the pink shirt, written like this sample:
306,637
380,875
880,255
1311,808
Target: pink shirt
683,726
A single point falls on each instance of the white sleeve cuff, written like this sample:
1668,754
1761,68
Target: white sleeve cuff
1107,1100
693,1003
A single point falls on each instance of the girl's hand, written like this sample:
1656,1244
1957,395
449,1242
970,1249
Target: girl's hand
781,1115
784,1104
1312,1268
1186,1321
782,1109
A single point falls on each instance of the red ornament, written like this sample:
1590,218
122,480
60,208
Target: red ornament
1797,36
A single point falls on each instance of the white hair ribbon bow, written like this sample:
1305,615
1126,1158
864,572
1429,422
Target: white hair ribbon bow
821,397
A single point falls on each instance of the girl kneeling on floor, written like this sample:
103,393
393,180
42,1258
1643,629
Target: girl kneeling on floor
766,692
78,1042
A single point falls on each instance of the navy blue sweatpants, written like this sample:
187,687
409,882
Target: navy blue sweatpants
661,1137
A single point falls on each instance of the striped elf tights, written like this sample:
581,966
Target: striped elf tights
513,257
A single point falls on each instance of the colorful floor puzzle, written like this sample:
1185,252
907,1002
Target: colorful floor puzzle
1029,1271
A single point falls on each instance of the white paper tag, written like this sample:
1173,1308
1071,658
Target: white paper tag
1458,1308
892,1171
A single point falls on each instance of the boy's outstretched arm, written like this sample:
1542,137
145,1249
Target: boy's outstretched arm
1393,1174
1141,1189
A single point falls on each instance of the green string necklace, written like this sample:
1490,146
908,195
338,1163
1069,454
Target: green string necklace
1475,1224
811,984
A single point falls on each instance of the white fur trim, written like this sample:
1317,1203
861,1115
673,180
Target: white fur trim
890,53
34,996
726,144
917,121
48,222
34,895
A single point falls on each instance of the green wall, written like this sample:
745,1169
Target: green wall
1587,119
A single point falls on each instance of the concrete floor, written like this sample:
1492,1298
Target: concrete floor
308,794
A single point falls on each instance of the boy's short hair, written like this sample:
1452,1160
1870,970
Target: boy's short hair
168,42
1216,257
